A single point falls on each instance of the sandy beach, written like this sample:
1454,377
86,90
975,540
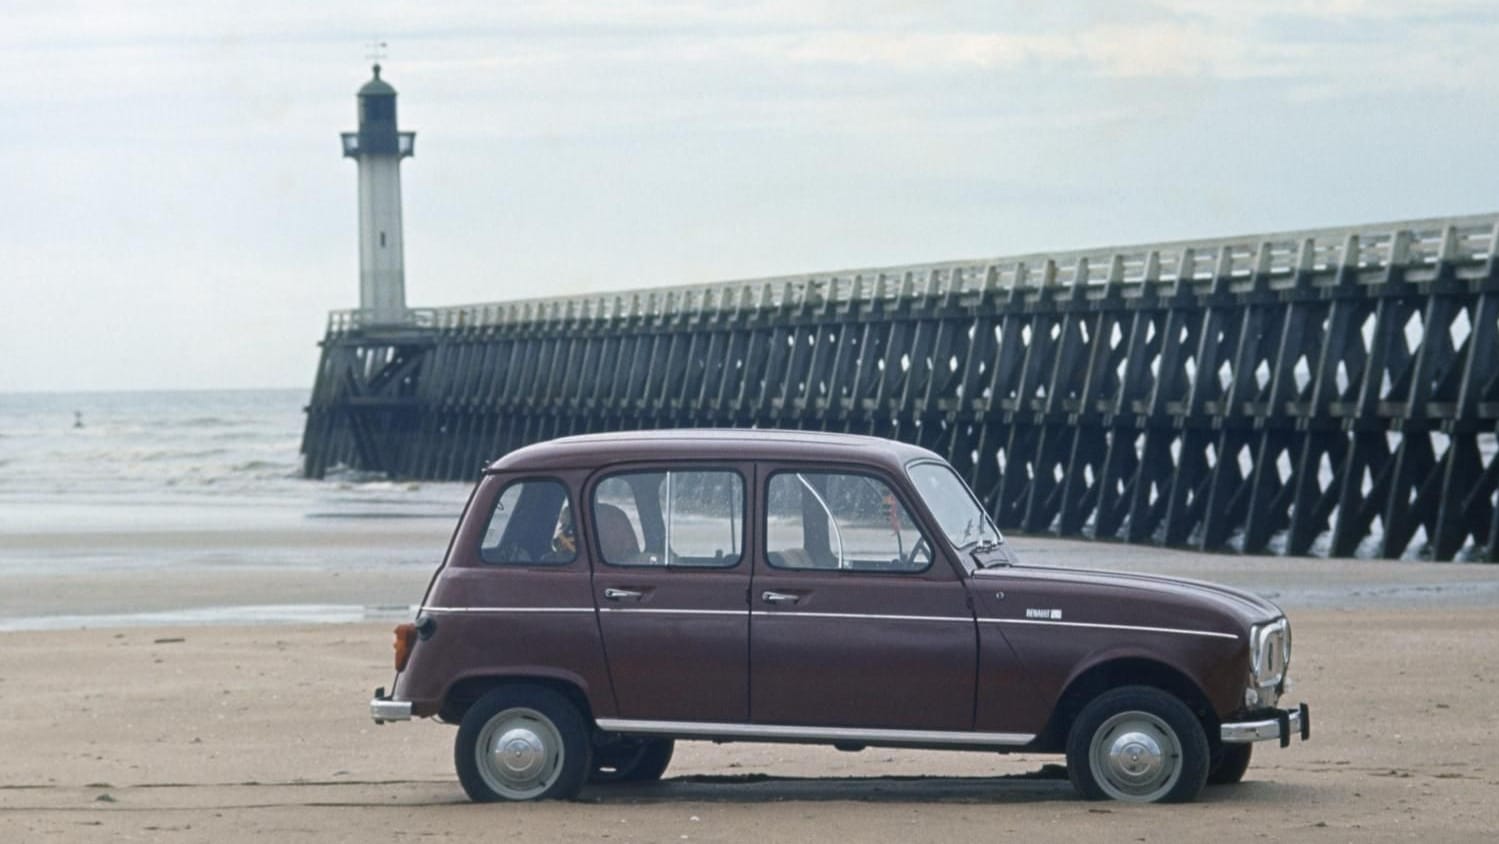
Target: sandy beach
222,732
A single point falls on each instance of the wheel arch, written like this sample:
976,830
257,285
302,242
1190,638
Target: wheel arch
464,692
1117,670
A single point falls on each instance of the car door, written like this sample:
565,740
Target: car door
854,621
670,581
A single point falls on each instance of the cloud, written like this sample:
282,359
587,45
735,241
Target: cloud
167,151
1352,12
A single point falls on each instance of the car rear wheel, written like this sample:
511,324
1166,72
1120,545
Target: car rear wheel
629,759
1137,744
1229,764
522,743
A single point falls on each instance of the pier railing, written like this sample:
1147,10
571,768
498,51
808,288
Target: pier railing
1329,391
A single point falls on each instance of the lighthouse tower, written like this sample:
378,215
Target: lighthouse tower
378,148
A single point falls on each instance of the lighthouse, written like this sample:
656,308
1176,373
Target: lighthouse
378,147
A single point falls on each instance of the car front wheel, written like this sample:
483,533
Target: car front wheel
1229,764
1137,744
522,743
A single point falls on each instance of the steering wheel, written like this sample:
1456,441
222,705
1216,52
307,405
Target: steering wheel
909,560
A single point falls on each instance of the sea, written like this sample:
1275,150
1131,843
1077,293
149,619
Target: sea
164,469
138,460
193,484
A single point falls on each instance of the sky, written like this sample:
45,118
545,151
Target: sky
175,211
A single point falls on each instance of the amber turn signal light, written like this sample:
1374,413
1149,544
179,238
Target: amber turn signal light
405,638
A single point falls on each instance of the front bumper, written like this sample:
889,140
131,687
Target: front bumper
383,708
1270,724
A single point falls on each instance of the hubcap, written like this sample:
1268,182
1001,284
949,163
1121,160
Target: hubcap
519,752
1135,756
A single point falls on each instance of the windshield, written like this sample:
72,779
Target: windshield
957,512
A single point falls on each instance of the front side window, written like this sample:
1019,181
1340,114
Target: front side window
840,521
531,524
675,518
957,512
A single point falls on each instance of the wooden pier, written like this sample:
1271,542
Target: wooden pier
1332,392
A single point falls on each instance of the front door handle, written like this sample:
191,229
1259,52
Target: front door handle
623,594
779,598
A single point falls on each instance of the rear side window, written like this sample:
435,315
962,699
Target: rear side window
840,521
532,524
676,518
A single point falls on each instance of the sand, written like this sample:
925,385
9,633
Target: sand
221,733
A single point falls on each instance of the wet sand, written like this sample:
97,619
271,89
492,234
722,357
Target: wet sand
381,567
188,733
201,574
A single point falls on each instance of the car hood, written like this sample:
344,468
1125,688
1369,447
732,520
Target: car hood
1246,607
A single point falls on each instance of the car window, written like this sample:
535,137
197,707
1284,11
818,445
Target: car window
531,524
951,502
676,518
840,521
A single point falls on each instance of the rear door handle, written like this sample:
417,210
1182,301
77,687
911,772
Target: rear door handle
623,594
779,598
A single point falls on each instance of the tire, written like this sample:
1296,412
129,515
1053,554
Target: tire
631,760
1137,744
1229,764
545,739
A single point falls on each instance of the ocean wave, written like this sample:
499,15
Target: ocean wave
207,422
264,437
267,470
133,456
261,466
177,454
345,476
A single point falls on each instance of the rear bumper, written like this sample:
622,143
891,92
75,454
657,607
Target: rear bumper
1269,725
383,708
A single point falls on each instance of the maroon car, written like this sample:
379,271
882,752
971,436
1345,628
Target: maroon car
606,595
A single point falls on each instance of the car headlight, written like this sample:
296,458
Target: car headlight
1269,655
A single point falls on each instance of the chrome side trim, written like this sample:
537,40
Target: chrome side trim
856,615
652,611
771,732
1133,627
458,610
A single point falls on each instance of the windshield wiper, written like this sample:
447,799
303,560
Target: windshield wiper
995,546
984,542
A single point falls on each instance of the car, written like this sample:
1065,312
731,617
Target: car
604,596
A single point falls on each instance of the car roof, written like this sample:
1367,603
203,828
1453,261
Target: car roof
721,444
